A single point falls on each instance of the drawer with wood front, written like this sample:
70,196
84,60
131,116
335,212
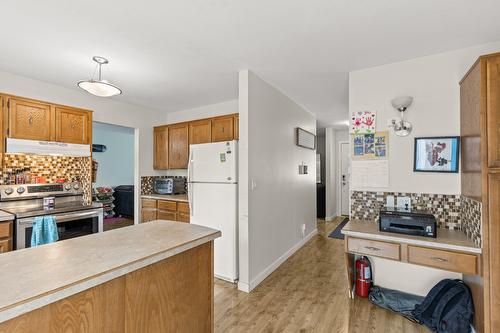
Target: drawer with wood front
148,203
5,245
166,215
374,248
167,205
443,259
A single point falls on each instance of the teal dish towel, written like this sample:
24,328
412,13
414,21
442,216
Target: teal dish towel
44,230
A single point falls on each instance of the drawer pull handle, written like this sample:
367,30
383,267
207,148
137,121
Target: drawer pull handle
439,259
371,248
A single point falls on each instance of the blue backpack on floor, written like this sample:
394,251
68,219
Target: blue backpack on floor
448,308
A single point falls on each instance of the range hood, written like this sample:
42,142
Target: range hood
35,147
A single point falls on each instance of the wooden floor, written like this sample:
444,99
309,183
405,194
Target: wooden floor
308,293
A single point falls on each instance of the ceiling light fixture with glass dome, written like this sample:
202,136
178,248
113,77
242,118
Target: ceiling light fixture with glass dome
402,127
99,87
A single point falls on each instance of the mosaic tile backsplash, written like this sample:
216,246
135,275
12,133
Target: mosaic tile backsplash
471,215
446,208
52,168
147,183
451,211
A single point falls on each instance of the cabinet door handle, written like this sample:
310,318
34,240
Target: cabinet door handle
371,248
439,259
30,120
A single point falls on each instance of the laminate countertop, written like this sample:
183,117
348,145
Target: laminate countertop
35,277
4,216
171,197
446,239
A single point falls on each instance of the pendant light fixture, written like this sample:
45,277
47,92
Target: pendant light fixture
99,87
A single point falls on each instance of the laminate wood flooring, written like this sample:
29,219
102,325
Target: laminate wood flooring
308,293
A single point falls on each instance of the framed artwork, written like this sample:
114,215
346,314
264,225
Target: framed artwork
305,139
370,146
436,154
363,122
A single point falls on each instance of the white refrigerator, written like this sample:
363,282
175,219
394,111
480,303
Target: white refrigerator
213,200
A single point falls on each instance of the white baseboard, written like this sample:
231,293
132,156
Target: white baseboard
330,218
271,268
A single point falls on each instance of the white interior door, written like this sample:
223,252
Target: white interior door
345,166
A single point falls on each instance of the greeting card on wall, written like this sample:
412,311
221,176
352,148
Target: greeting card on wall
370,146
363,122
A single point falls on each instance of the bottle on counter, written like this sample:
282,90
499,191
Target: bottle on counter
27,176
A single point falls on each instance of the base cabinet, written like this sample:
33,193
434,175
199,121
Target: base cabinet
172,295
152,209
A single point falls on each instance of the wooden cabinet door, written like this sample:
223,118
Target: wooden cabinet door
30,120
5,245
160,143
222,128
178,146
183,217
493,110
148,214
493,242
200,131
236,127
73,125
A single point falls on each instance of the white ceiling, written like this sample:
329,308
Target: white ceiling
173,55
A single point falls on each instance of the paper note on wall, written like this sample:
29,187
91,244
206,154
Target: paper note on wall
370,173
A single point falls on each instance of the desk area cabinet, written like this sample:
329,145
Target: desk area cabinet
164,209
451,250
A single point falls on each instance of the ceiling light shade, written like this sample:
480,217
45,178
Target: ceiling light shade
99,87
402,127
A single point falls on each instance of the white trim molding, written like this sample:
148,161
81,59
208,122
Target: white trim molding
271,268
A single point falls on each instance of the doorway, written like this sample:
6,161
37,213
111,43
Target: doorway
113,153
344,177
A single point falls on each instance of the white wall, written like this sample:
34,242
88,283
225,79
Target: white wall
333,137
206,111
106,110
116,164
433,81
282,201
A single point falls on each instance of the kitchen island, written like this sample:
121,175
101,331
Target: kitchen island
153,277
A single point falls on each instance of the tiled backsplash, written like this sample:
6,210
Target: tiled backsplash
52,168
446,208
147,183
471,218
451,211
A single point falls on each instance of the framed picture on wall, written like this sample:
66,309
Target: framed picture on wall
436,154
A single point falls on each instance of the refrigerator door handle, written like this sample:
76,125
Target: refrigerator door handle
190,161
191,199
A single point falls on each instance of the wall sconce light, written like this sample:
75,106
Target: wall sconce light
402,127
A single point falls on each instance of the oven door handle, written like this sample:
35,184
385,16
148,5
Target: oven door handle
64,217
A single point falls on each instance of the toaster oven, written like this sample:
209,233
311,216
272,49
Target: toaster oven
170,185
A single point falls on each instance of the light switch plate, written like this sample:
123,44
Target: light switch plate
404,203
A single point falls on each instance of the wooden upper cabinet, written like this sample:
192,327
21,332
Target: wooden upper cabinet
160,143
492,78
178,146
73,125
223,128
236,127
200,131
30,119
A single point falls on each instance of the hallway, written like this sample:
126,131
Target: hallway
307,293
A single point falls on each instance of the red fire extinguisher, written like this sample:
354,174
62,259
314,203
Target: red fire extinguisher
363,277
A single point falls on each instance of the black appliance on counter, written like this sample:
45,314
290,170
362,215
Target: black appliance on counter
124,200
407,222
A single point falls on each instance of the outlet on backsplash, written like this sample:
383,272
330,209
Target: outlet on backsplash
404,203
